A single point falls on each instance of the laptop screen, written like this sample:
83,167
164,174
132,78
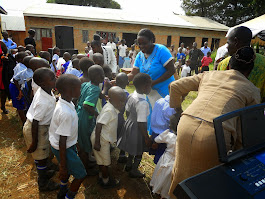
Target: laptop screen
247,125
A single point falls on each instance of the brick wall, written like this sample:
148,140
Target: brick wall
161,33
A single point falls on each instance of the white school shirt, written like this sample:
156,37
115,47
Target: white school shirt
185,70
65,123
60,63
24,76
122,50
54,58
109,118
73,71
142,107
109,58
42,107
18,68
34,86
112,45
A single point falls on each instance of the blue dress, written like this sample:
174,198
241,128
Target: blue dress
154,66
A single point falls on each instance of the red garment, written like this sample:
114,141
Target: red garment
1,69
206,61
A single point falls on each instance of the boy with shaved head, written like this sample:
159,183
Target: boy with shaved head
105,133
36,128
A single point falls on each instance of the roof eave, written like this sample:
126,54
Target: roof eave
2,11
120,21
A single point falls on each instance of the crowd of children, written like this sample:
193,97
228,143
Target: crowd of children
71,109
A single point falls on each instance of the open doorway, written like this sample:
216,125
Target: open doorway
188,41
129,38
204,40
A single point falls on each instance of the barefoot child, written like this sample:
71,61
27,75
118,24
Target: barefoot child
160,182
84,64
122,82
134,137
63,136
105,134
86,110
36,128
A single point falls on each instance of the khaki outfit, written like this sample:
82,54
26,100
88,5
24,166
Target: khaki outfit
219,92
43,148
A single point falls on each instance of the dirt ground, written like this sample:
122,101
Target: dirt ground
18,177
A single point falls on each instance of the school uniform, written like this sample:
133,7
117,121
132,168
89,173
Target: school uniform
131,139
55,58
73,71
14,92
160,117
65,123
109,118
160,181
41,109
24,76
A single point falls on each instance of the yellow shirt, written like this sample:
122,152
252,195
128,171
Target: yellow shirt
257,75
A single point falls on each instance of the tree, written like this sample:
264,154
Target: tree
228,12
95,3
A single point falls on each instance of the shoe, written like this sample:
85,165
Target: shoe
128,168
110,184
61,194
49,186
135,173
122,159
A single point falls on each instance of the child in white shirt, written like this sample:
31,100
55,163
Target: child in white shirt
36,128
105,133
186,69
55,58
63,135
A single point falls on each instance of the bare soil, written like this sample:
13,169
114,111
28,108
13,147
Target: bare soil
18,177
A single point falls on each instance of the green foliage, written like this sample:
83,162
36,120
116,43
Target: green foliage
94,3
228,12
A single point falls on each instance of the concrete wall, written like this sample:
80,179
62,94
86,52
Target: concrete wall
161,33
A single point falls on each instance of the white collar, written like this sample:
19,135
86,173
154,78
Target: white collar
141,96
69,104
43,92
112,107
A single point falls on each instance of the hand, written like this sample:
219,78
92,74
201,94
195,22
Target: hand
113,82
96,114
63,174
148,141
97,146
32,148
20,95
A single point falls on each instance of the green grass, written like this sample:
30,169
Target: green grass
213,55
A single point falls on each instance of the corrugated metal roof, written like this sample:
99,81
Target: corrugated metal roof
120,16
14,20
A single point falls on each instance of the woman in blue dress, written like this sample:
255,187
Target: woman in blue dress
156,61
